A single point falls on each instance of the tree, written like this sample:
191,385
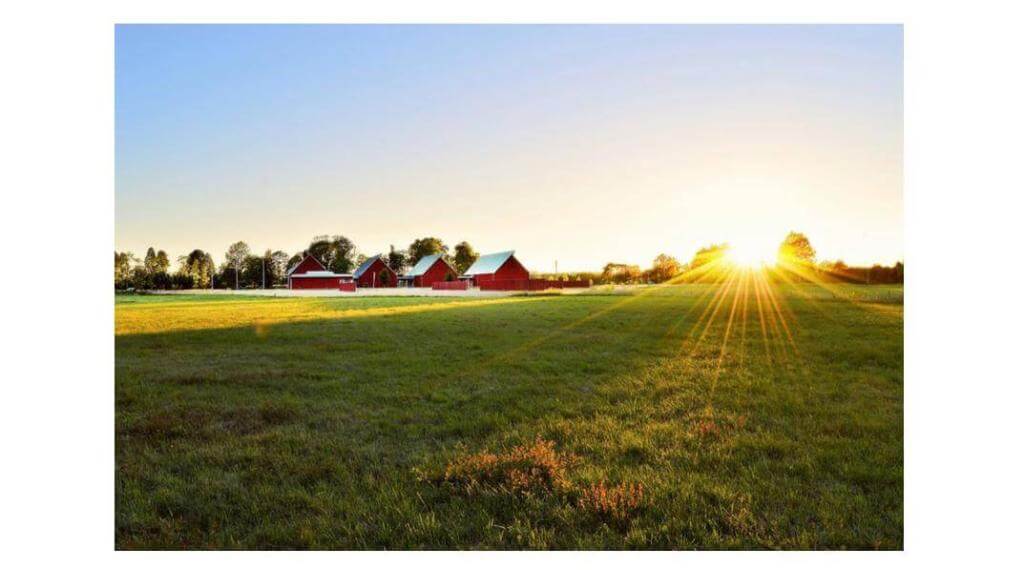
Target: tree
155,266
424,247
465,256
398,260
140,278
277,267
620,273
235,258
252,272
665,267
337,253
197,266
163,264
150,263
796,248
123,262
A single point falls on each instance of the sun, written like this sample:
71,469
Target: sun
750,254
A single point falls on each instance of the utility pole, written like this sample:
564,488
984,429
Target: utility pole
556,267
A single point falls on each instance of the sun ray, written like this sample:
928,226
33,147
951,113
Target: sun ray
761,319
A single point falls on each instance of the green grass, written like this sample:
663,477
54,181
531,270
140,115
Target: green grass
328,423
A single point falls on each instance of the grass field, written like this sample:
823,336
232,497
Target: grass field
689,416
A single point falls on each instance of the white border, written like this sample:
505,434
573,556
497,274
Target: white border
963,99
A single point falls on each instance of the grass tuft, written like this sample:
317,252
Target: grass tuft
617,503
535,469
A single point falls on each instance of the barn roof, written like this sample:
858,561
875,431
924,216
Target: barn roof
425,263
304,257
321,274
366,265
489,263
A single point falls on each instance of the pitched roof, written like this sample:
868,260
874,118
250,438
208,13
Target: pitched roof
425,263
304,258
366,265
321,274
489,263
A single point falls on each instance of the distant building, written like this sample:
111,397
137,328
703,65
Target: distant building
496,266
311,274
374,273
429,270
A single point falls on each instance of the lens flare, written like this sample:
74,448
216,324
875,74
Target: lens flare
750,254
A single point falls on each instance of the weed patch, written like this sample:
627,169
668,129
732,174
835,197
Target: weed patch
616,503
535,469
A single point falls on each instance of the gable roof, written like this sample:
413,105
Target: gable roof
366,265
305,256
425,263
489,263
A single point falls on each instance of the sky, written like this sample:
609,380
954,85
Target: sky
579,145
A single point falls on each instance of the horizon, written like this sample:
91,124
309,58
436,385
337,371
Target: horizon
530,138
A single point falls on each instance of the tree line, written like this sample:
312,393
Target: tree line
243,269
796,261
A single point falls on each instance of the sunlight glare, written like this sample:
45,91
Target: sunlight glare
751,254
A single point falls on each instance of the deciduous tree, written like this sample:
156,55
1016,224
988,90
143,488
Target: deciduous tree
337,253
424,247
464,257
796,248
398,260
235,258
665,267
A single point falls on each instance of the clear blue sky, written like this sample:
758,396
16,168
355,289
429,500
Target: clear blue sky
585,144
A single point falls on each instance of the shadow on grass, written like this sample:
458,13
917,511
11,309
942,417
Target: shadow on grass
310,434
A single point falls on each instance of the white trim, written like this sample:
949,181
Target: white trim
292,270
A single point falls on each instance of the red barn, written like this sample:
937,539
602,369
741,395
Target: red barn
428,270
501,266
311,274
375,273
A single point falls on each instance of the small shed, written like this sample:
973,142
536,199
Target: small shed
501,266
374,272
428,270
309,273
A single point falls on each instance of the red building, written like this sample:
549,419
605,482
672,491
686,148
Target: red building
375,273
311,274
428,270
501,266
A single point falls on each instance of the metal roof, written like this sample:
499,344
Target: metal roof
423,265
366,265
489,263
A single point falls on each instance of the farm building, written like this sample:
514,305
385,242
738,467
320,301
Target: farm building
311,274
374,273
501,266
429,270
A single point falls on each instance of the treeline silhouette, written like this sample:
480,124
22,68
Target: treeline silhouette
241,269
795,263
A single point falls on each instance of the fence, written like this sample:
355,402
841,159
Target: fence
529,284
450,285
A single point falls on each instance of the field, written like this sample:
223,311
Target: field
695,416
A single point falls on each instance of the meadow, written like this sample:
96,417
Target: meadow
747,415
